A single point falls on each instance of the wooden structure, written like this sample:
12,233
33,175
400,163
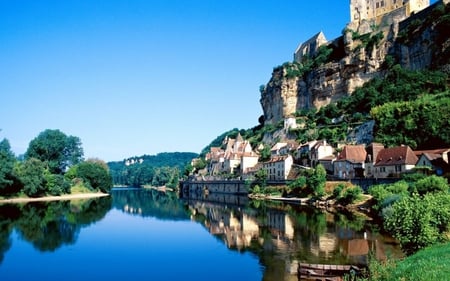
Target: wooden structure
326,272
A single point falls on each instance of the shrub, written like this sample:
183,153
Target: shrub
350,195
418,222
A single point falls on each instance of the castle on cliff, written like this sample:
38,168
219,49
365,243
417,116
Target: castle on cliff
366,13
376,9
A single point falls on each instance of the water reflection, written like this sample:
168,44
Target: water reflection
283,234
49,225
149,203
280,235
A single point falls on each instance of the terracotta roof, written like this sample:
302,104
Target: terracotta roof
396,156
432,151
353,153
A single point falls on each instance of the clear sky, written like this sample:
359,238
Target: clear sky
134,77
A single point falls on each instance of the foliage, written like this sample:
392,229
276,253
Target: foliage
7,161
432,184
154,170
397,122
56,150
30,174
418,222
316,180
385,195
56,184
261,177
264,153
94,175
349,195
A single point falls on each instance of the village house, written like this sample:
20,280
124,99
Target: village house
321,150
436,160
350,162
372,153
303,154
215,158
283,148
278,167
394,161
237,157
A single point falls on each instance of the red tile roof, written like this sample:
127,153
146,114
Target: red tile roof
399,155
353,153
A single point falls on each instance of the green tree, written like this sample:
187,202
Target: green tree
94,175
261,177
56,150
316,181
30,174
7,161
56,184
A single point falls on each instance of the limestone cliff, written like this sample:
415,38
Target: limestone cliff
418,42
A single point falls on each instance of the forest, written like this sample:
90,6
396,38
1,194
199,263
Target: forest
52,165
156,170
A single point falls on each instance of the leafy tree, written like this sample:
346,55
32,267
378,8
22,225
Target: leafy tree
30,174
56,150
264,154
261,177
95,175
56,184
7,161
316,181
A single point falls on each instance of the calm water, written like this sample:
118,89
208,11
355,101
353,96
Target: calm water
148,235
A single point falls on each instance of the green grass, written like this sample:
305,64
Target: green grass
432,263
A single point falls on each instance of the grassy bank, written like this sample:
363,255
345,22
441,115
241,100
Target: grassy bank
432,263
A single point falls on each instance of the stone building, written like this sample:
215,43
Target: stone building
374,9
310,47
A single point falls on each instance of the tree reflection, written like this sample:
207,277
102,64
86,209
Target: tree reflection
150,203
49,225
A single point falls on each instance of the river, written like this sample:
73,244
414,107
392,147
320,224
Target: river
139,234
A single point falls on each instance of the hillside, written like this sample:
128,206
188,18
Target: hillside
161,169
385,82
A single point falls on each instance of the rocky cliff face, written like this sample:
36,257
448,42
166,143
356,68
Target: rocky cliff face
419,42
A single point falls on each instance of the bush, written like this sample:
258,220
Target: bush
432,184
350,195
418,222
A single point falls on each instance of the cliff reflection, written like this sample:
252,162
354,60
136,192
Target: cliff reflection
49,225
283,235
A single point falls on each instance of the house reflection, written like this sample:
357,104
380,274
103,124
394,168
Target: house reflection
291,234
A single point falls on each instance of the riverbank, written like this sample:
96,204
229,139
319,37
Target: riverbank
54,198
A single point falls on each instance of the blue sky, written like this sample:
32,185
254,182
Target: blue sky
136,77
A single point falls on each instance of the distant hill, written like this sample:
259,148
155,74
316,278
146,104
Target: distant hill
160,169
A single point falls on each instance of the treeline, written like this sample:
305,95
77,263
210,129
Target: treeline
156,170
52,165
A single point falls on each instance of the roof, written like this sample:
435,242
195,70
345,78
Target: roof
278,146
400,155
280,158
432,151
353,153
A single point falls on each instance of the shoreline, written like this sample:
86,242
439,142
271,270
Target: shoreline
54,198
